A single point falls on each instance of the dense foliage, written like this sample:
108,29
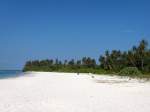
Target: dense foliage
87,64
132,71
138,56
110,62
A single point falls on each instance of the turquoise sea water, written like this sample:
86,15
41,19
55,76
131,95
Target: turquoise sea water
10,73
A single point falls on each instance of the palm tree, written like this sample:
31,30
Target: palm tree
79,62
142,49
102,62
71,62
65,62
108,60
84,61
131,58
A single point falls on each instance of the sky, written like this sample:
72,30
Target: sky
66,29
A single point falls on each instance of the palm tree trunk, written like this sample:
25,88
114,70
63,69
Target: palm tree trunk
142,64
132,62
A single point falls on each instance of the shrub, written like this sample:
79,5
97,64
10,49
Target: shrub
130,71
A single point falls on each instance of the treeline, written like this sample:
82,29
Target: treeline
114,61
138,56
87,64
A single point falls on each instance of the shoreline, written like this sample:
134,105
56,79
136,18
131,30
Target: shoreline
145,77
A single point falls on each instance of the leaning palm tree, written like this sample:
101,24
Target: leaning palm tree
131,59
141,52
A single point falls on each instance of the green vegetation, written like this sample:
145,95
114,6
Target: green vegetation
130,71
132,62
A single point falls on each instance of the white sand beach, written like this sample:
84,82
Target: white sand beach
69,92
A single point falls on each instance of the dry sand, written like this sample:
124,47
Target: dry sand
69,92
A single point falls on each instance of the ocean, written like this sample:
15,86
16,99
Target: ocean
10,73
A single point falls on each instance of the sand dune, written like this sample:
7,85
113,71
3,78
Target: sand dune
69,92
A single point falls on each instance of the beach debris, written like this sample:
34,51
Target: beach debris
93,76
